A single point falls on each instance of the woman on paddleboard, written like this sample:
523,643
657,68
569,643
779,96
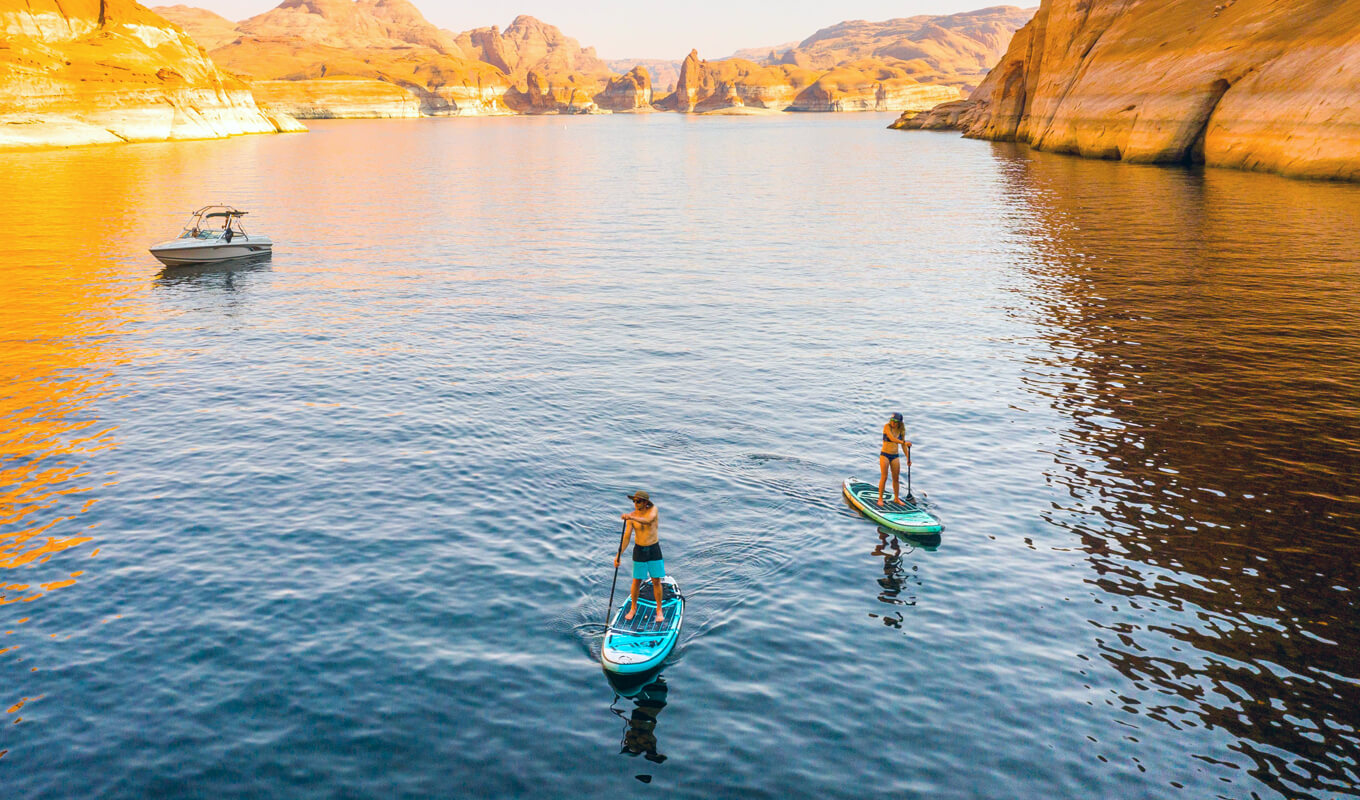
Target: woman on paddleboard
894,436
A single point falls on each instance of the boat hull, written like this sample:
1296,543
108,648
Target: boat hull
180,253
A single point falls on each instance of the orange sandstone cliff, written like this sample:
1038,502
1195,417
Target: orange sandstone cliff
951,50
1252,84
370,58
565,76
630,92
89,71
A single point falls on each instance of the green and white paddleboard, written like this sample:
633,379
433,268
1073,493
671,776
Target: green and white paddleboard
906,516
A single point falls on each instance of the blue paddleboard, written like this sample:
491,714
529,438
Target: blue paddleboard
641,644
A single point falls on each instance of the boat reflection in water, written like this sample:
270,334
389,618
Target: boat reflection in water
227,270
647,693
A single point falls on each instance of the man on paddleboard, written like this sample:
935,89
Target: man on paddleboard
642,528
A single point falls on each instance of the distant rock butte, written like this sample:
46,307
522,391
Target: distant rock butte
711,86
631,92
952,50
1252,84
90,71
663,72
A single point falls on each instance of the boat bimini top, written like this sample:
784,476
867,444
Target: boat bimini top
203,224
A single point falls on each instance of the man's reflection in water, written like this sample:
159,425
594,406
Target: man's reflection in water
639,732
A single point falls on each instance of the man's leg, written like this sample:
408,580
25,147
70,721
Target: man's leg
636,583
656,590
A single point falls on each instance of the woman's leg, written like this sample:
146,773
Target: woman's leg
882,475
897,472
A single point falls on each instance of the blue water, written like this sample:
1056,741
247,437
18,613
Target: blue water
342,524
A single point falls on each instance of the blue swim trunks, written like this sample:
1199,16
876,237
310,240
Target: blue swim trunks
647,562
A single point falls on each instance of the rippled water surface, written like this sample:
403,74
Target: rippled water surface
340,524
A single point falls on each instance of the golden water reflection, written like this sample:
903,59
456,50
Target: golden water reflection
65,314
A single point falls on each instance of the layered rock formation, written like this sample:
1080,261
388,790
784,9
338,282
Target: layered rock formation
951,50
631,92
210,30
705,86
901,64
1253,84
717,86
566,76
871,86
380,48
338,98
89,71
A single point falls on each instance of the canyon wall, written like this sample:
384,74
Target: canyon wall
89,71
1252,84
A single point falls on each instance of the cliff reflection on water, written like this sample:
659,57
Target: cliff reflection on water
1211,374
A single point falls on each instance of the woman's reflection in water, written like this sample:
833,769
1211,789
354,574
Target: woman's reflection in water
896,577
639,731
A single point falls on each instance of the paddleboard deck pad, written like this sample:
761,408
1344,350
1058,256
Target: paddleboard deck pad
906,516
642,644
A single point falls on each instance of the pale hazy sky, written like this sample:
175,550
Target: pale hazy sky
630,29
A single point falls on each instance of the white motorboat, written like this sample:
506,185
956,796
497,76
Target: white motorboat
212,235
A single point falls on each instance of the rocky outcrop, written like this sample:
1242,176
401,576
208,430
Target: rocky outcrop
691,87
542,96
361,44
708,86
90,71
868,86
631,92
569,75
663,73
1253,84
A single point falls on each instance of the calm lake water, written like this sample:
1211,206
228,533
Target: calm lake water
341,524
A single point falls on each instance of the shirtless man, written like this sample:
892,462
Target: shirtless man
642,528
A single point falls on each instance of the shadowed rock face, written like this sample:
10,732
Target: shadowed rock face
90,71
1252,84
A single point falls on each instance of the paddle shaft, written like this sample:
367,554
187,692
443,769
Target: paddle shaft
614,583
909,472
